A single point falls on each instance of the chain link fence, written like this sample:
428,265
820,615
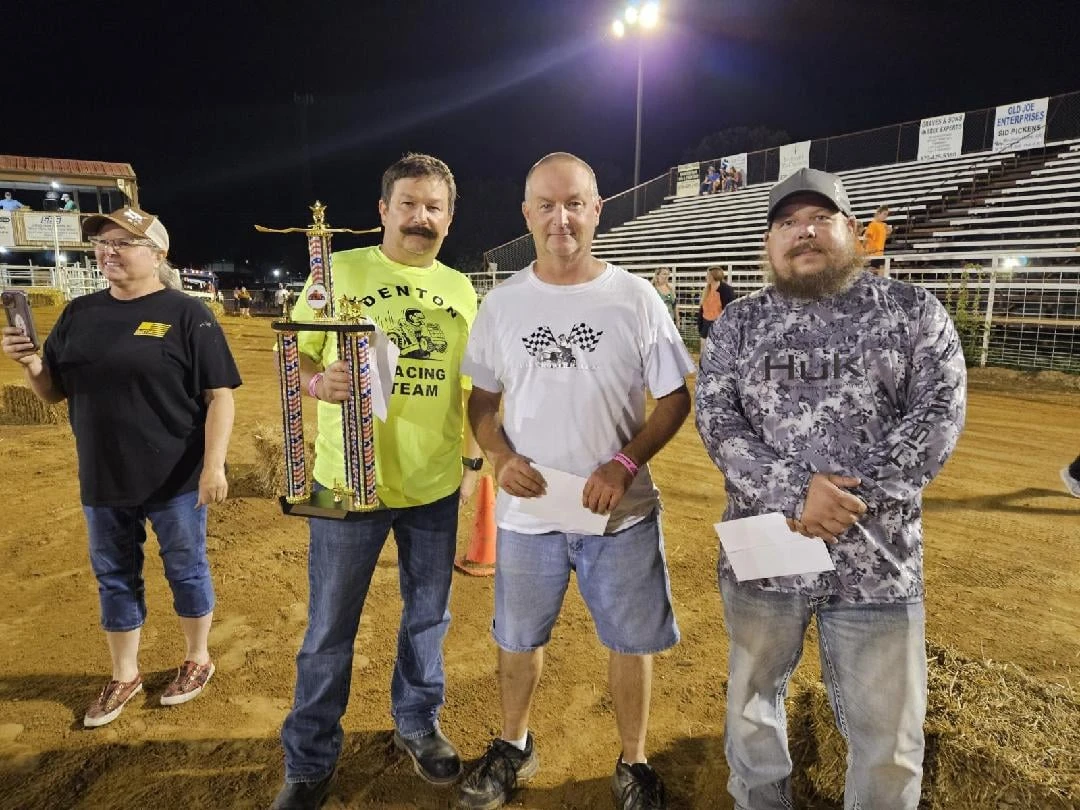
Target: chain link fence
1009,310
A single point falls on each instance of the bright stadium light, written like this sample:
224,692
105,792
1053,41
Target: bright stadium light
650,15
640,18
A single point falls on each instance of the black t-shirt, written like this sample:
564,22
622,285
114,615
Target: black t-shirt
134,373
727,293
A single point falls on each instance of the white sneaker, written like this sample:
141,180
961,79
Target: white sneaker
1071,483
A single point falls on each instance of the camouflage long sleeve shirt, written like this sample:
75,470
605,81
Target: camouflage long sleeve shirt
869,383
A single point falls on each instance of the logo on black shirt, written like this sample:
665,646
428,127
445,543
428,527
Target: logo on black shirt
151,329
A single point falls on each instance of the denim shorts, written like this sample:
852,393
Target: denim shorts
622,577
117,537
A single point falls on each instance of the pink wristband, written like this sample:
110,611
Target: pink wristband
627,462
313,383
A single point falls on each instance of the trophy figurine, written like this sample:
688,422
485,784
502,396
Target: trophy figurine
356,494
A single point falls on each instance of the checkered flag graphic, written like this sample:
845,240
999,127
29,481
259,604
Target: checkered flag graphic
539,340
584,336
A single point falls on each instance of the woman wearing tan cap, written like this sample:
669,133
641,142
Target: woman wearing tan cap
148,378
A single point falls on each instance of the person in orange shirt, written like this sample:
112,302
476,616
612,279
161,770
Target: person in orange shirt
876,231
873,237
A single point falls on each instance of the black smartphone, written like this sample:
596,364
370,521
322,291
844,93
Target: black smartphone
17,309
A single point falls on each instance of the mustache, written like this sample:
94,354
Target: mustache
419,230
806,247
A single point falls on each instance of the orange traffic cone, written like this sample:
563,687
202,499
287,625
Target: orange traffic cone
479,560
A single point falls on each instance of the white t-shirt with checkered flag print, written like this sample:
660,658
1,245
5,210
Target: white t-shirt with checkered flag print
573,363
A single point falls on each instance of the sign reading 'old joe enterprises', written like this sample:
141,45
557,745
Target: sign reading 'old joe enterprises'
1020,126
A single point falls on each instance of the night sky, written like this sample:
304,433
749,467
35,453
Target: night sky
206,100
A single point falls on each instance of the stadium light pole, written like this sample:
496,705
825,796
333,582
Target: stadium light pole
637,18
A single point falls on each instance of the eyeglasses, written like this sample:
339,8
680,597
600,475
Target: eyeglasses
119,244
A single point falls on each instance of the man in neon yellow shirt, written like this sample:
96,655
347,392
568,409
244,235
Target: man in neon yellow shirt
427,308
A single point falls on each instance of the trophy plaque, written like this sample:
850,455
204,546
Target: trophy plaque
348,499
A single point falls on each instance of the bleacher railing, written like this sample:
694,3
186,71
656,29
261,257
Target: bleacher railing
1010,310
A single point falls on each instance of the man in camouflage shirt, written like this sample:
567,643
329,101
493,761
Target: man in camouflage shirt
832,396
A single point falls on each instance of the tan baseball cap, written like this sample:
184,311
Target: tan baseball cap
133,220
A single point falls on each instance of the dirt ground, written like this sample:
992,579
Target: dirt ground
1002,570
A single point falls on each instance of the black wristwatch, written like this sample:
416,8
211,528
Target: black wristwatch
472,463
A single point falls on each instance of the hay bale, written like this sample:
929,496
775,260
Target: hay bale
995,738
45,297
267,479
20,406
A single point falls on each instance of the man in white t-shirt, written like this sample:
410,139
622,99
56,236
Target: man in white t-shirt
572,343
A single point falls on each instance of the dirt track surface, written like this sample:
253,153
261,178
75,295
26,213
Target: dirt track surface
1002,570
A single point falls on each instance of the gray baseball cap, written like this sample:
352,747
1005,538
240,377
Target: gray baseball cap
812,181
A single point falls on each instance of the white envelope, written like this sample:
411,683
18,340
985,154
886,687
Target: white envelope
763,546
561,504
384,360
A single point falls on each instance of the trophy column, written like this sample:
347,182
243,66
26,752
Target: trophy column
342,500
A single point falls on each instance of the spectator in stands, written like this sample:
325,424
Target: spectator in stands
661,282
784,376
67,203
737,176
9,203
1071,476
593,425
875,233
729,179
712,181
716,295
243,302
150,437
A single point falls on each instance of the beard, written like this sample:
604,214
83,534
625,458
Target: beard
842,265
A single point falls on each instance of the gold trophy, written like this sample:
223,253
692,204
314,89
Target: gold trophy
356,494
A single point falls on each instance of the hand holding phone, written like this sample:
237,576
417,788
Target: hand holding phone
17,310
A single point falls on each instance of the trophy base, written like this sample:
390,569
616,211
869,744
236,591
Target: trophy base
321,504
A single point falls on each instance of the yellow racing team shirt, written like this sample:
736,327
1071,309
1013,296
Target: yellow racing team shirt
427,312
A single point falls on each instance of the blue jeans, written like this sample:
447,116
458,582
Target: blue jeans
342,559
873,662
117,536
623,579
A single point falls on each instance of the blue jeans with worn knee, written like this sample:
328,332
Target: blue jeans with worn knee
873,662
117,536
342,560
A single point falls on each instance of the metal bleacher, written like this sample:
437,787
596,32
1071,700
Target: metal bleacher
994,233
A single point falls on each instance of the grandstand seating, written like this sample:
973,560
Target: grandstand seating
693,233
999,229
